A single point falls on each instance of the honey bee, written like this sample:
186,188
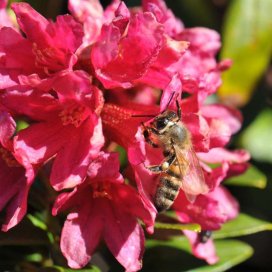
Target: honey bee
180,169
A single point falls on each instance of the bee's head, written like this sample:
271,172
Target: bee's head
165,119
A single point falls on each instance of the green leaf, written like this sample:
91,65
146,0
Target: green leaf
247,41
37,222
257,137
21,124
173,256
230,253
170,226
253,177
243,225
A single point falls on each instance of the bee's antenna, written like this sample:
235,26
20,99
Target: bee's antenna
144,115
168,103
178,109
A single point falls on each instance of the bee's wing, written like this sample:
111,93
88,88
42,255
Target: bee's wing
193,181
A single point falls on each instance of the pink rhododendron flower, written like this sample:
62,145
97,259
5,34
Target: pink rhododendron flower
67,128
132,48
48,48
103,207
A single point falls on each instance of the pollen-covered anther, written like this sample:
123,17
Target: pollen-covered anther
101,189
73,115
8,158
44,57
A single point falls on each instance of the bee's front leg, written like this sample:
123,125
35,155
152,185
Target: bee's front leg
146,132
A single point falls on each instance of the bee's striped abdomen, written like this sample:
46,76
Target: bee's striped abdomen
167,190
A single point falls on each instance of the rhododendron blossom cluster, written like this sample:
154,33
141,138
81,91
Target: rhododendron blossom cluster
80,82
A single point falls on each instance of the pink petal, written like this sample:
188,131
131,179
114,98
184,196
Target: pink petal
174,87
16,57
219,155
134,204
10,179
199,130
39,142
105,167
210,210
124,237
7,127
3,4
17,208
172,25
203,40
109,13
216,175
26,18
65,34
81,235
205,251
230,116
31,103
75,85
72,161
14,195
62,202
90,13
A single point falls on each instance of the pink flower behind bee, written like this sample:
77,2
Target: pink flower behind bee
103,207
210,211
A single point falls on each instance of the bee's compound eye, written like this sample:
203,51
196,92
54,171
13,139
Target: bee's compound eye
161,123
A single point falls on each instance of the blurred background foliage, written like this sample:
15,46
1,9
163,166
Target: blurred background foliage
246,29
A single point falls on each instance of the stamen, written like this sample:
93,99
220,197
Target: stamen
45,58
8,158
73,115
